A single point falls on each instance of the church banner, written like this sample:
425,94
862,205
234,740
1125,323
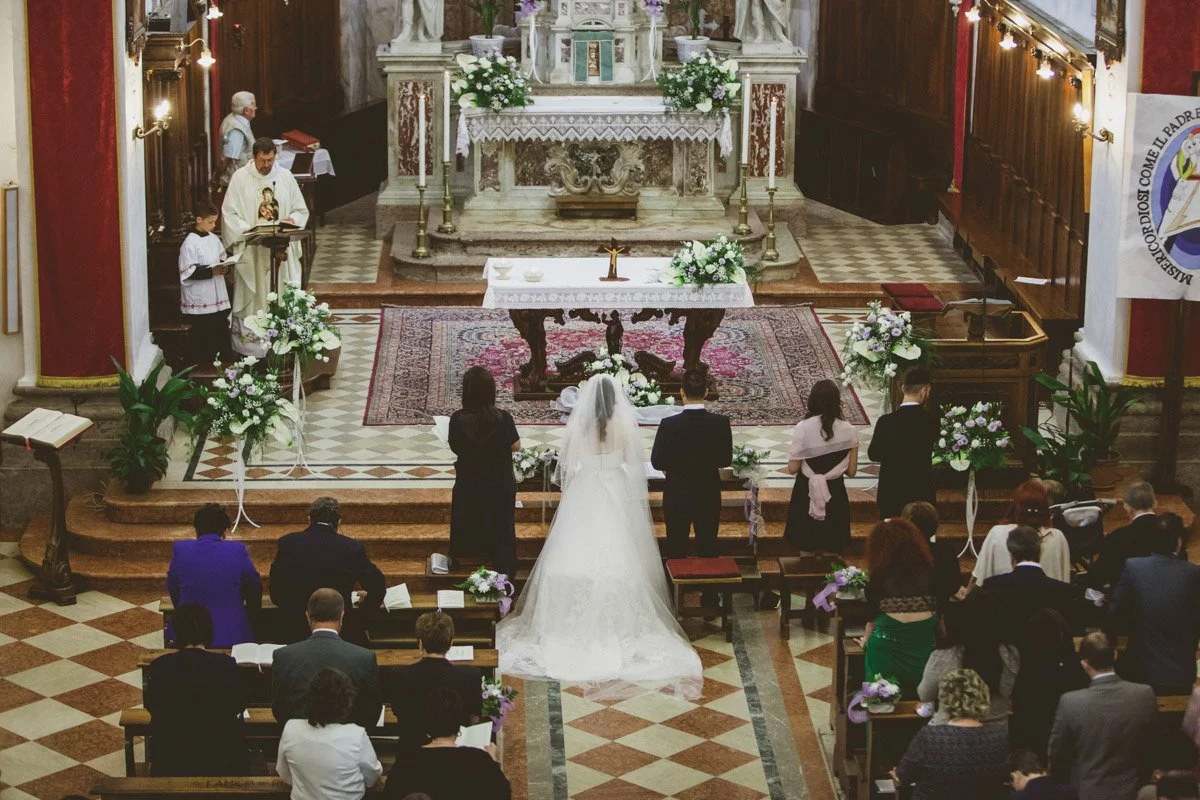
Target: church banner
1159,255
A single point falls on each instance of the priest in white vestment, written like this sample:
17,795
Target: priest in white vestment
260,193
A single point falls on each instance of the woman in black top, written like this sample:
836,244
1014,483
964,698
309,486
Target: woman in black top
441,770
195,702
1049,669
482,510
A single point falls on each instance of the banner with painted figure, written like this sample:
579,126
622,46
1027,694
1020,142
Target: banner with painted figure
1160,229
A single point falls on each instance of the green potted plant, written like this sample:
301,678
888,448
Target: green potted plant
1097,410
1063,457
688,47
487,45
140,456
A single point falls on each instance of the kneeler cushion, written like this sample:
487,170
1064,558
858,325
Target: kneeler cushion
906,289
693,568
919,304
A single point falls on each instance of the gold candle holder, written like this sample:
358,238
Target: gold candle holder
770,253
422,248
447,225
743,226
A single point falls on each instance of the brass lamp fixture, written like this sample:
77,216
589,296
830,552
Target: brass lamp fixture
162,121
1082,117
206,59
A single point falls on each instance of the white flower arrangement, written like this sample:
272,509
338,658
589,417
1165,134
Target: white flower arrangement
490,83
880,695
746,460
705,84
971,438
245,404
878,346
642,392
534,462
487,586
295,325
702,263
497,701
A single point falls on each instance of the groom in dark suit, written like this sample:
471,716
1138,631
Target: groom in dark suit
690,448
902,445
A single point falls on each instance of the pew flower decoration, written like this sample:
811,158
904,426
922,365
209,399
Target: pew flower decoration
876,697
489,586
706,84
880,346
747,460
703,263
534,462
642,391
490,83
527,7
497,702
656,8
245,404
846,583
971,438
295,326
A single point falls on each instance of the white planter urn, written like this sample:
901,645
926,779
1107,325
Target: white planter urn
687,48
486,46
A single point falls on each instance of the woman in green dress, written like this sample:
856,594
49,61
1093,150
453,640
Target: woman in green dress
901,592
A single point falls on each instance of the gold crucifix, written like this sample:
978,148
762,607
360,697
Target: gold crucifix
613,249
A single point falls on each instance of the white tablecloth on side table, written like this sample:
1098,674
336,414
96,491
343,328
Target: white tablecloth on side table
569,283
322,162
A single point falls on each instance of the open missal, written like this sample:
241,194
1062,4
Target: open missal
269,228
261,655
478,736
451,598
397,598
44,426
461,652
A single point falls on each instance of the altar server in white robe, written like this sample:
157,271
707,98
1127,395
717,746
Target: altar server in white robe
259,193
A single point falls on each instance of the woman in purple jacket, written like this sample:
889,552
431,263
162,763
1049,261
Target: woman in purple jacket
218,575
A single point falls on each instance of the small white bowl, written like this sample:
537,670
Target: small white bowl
501,270
279,142
533,274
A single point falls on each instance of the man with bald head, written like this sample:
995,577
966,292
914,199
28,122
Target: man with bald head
295,666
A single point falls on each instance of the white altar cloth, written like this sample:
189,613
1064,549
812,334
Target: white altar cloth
598,118
575,283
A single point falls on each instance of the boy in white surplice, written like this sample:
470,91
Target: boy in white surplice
203,295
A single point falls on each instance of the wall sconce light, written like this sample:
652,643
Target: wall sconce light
1045,70
973,14
1008,42
955,5
162,121
1083,118
213,12
205,60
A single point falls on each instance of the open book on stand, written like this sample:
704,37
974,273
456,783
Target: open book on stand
44,426
261,655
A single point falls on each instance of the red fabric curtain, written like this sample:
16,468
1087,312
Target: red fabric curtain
72,101
1171,51
962,89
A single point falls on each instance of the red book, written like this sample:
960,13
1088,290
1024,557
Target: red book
301,140
697,568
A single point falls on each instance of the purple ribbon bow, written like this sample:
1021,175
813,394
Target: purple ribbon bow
505,586
824,600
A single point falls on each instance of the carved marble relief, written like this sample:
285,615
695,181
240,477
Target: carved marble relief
564,51
619,51
696,179
489,166
407,129
658,161
531,163
760,128
595,168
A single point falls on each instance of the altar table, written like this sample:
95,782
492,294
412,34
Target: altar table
571,287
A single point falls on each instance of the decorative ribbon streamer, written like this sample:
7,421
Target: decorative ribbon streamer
463,144
300,401
726,137
753,509
533,73
856,712
239,472
972,511
824,599
506,705
653,75
506,598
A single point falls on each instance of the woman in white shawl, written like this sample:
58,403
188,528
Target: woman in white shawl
824,451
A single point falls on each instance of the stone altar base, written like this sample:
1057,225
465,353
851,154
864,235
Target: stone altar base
460,256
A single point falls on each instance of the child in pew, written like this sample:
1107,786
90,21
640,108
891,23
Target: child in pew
1030,780
203,294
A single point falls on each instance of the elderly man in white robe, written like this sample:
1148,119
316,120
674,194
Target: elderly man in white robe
237,139
260,193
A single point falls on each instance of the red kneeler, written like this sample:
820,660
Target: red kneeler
721,575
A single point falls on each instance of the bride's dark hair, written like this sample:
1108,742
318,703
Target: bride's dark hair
606,403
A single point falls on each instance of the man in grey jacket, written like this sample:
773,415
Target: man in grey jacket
1103,734
294,666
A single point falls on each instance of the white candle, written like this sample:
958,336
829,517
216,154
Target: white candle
421,139
771,156
446,151
746,119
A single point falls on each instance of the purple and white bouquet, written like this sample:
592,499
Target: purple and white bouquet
847,583
656,8
702,263
489,586
490,83
972,438
878,346
527,7
245,403
877,697
534,462
295,325
705,84
642,391
497,702
746,460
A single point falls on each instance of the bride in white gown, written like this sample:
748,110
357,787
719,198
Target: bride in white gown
596,612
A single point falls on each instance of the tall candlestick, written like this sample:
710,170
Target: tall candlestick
447,153
771,156
421,139
746,119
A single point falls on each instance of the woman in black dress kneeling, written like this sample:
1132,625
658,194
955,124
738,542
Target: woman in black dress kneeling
482,510
824,450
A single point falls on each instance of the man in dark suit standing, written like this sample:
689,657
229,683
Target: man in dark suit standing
1157,601
902,444
1129,541
691,448
1014,597
320,557
410,688
294,666
1103,735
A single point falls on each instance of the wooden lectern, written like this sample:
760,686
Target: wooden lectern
277,239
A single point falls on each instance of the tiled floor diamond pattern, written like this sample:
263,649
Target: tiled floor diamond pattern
346,254
869,253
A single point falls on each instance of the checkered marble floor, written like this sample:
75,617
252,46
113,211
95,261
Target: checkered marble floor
339,447
346,253
864,252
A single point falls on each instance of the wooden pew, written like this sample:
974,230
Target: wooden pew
265,788
475,623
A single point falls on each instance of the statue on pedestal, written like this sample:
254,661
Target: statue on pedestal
418,21
763,21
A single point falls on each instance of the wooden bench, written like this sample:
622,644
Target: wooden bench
264,788
475,623
805,574
722,585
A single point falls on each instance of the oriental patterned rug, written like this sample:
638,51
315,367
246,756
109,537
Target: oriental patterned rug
766,361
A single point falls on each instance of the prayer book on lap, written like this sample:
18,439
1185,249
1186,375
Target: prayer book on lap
477,736
461,652
44,426
451,598
261,655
